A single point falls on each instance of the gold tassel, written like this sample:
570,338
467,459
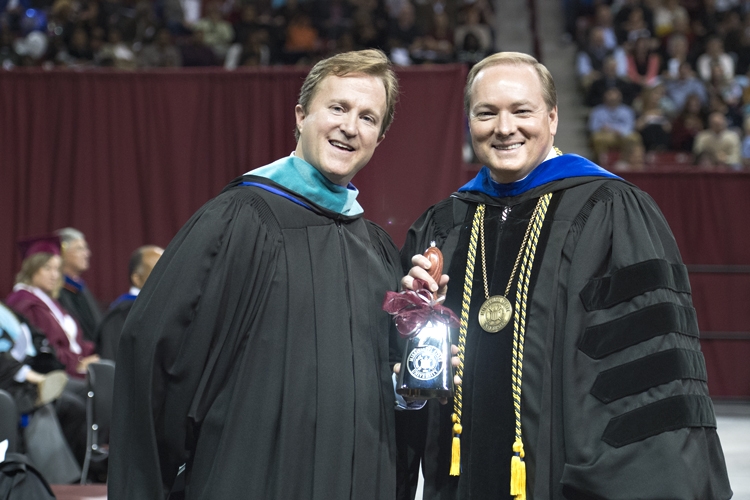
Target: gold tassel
518,472
456,449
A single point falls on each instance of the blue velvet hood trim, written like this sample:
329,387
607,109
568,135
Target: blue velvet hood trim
554,169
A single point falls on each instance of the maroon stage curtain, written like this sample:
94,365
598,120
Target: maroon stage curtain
128,157
708,215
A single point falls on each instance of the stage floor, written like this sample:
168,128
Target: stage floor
733,421
733,425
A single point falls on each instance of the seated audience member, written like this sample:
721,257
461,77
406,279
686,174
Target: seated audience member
688,123
633,23
714,55
632,158
115,52
246,23
705,160
695,33
97,42
726,93
162,53
35,296
436,46
612,124
56,419
731,30
141,263
590,60
644,62
256,50
472,24
604,20
719,142
369,29
302,39
195,53
403,34
686,83
176,18
335,17
610,79
9,56
666,15
677,54
75,296
470,52
746,144
78,51
145,24
743,52
29,388
653,121
217,32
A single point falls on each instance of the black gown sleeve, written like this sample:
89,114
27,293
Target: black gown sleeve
182,337
637,419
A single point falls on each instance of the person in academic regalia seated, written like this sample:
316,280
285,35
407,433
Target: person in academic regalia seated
255,362
28,387
34,297
56,420
75,296
141,264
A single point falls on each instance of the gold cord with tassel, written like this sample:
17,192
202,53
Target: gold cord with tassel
517,463
465,305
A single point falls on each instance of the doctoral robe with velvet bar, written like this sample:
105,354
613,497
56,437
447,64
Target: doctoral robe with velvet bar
614,400
258,354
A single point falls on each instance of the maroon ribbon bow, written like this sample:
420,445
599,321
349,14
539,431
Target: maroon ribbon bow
412,309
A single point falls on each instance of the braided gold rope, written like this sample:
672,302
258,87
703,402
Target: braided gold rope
465,305
518,474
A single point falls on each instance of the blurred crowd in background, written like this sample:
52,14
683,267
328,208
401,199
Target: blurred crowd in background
657,75
665,76
130,34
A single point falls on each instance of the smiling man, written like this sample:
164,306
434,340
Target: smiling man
255,360
582,376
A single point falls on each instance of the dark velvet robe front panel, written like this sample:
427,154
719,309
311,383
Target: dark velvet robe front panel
258,351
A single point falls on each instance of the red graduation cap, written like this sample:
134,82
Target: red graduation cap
48,243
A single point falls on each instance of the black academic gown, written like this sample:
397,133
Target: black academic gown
614,398
83,306
257,353
110,329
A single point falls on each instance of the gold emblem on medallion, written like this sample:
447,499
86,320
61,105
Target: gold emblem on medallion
495,313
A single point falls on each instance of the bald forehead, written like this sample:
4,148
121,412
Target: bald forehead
151,252
505,71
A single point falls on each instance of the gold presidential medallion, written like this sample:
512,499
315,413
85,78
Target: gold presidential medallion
496,311
495,314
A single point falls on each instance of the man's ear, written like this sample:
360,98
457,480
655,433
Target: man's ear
299,114
552,116
380,139
136,280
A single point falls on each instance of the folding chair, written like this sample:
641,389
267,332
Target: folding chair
8,420
101,379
